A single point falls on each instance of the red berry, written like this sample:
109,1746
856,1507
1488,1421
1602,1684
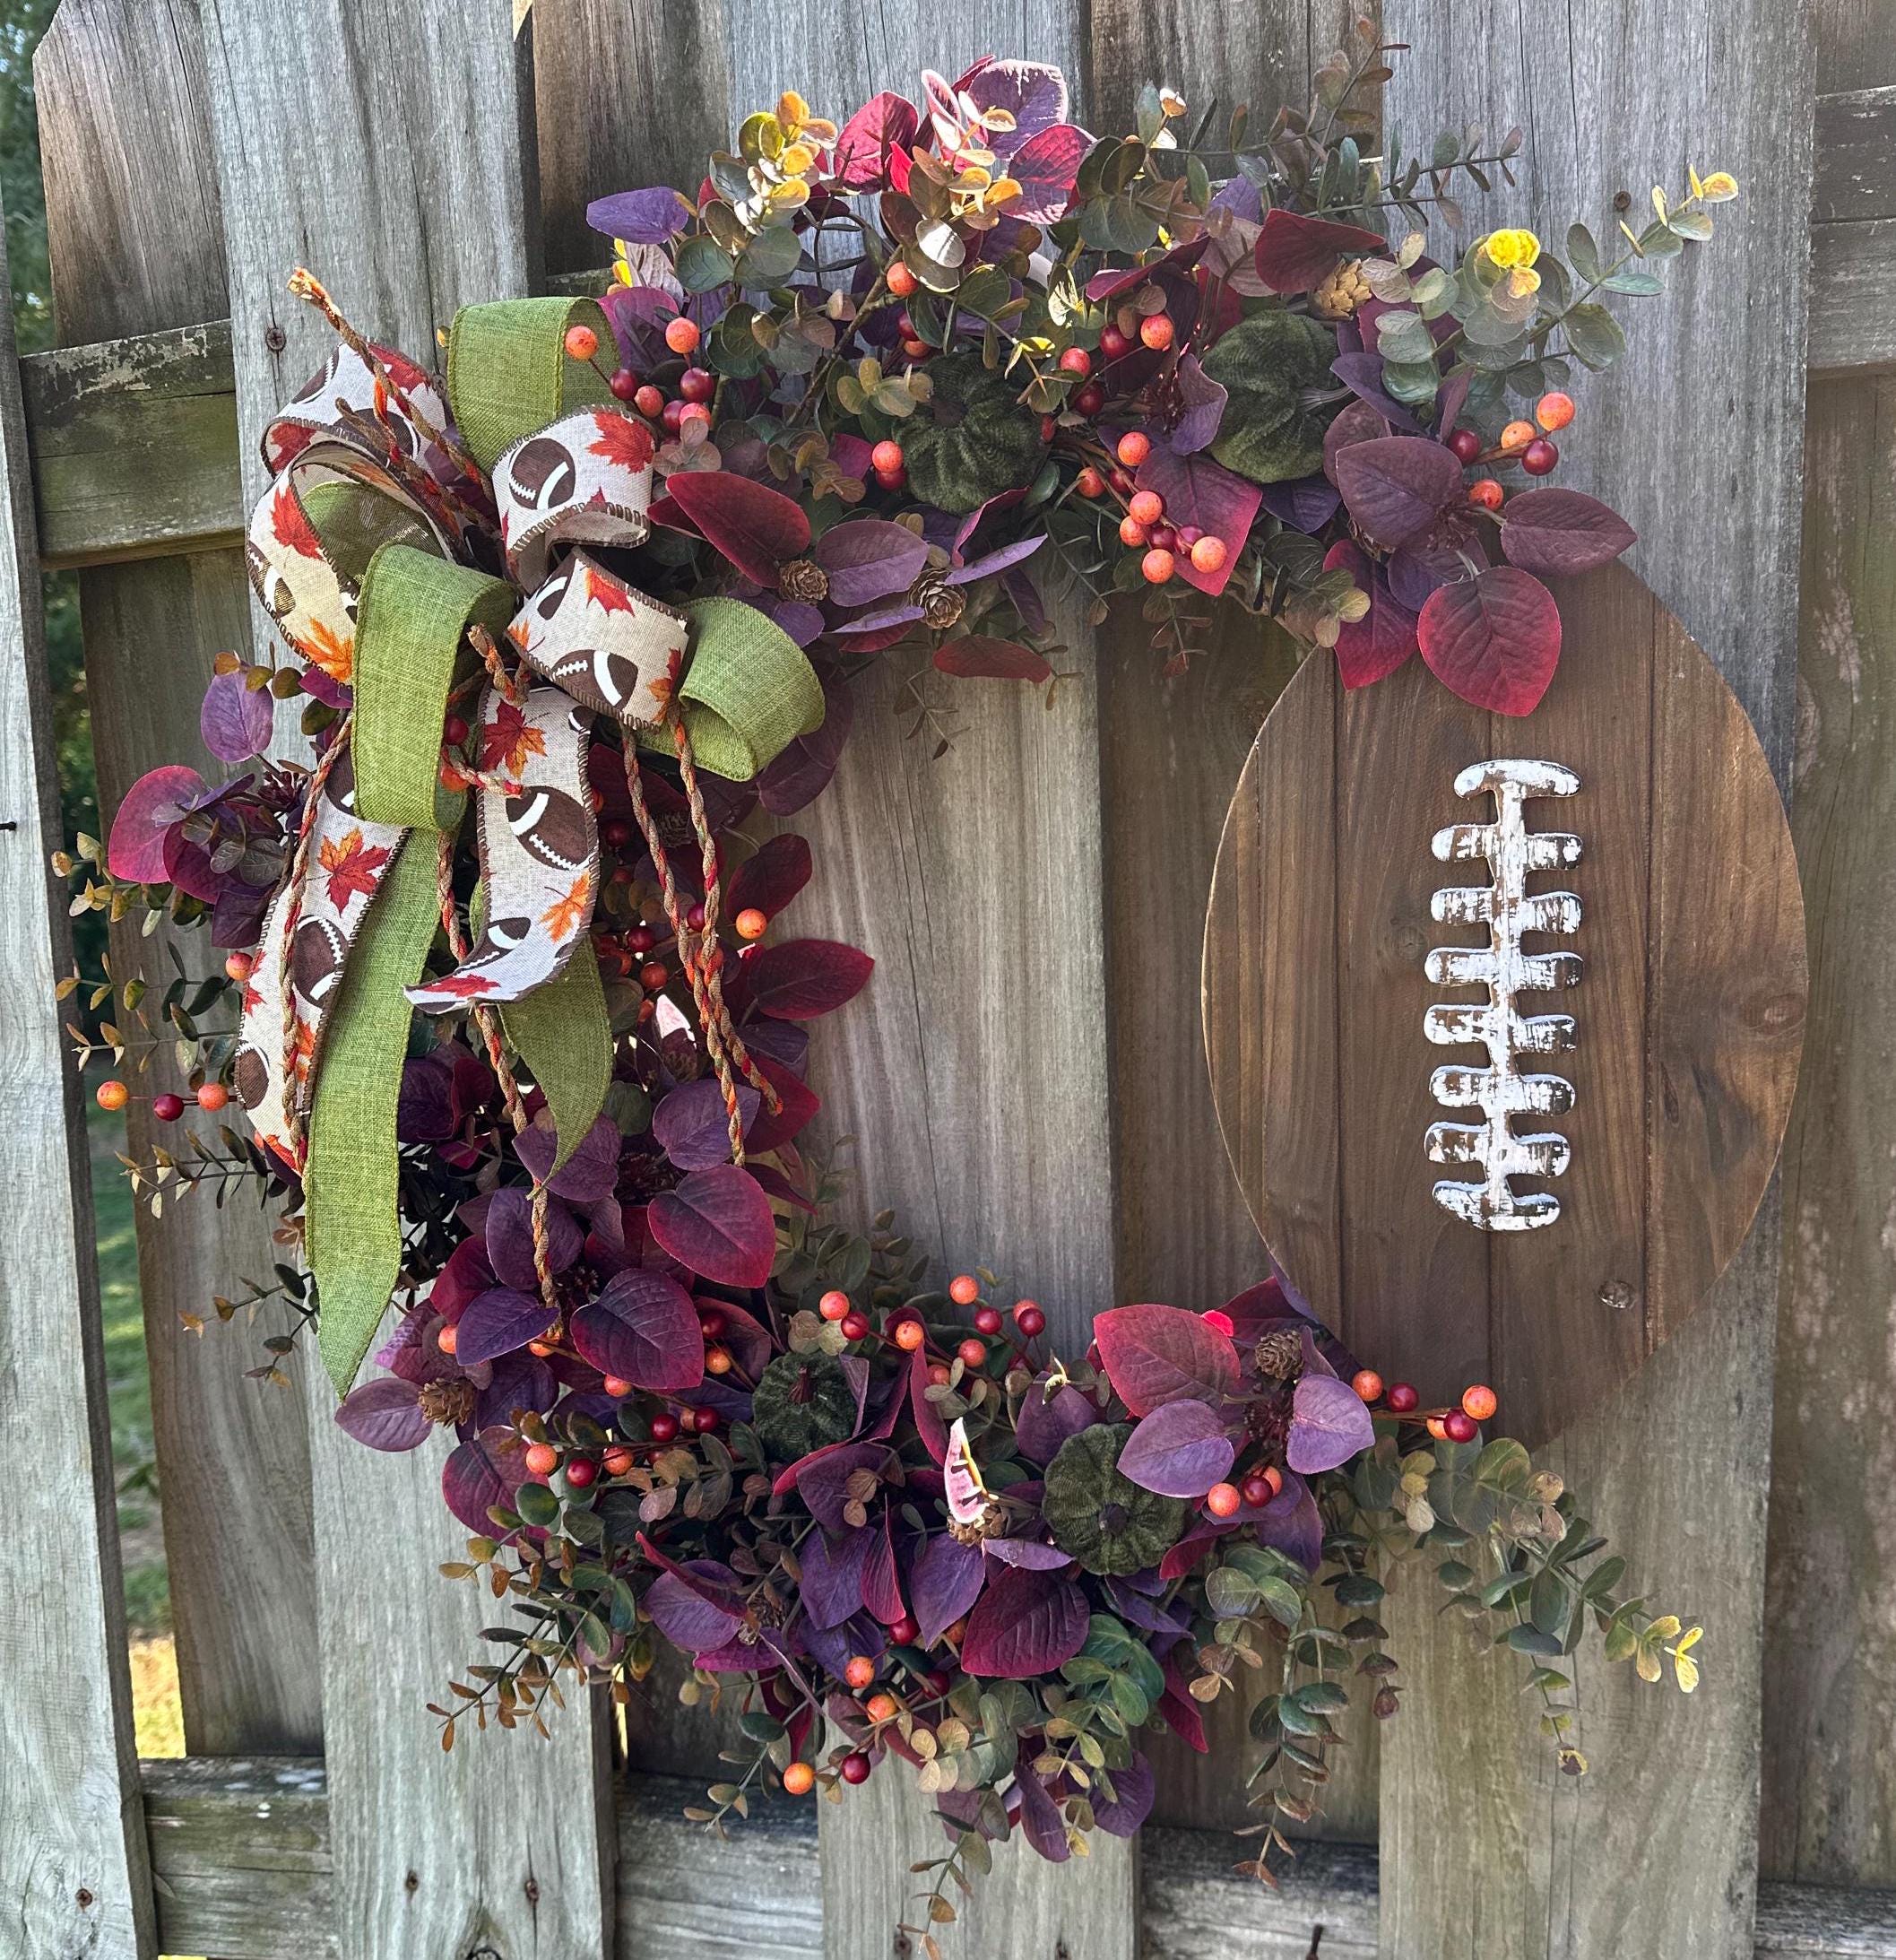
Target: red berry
885,455
1075,361
697,384
1467,445
1217,1318
899,280
834,1305
705,1420
1486,492
653,976
640,939
581,343
1158,566
854,1326
972,1352
1554,411
1156,331
650,402
212,1096
1222,1500
892,480
1133,534
1479,1401
963,1290
1402,1398
624,383
1030,1320
543,1459
1539,456
1090,399
1112,343
1257,1490
580,1472
1049,428
664,1428
694,915
616,832
710,1322
1459,1426
910,1334
987,1321
1122,481
1367,1384
1188,535
1134,447
1089,482
682,335
112,1095
799,1780
903,1632
1207,554
855,1767
168,1108
860,1671
673,417
751,923
454,730
1166,538
1146,506
937,1374
695,415
239,967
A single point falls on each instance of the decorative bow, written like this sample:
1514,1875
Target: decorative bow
414,550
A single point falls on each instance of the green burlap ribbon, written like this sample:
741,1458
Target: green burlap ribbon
748,693
508,374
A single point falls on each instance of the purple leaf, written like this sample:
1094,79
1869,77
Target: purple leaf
832,1587
822,1478
1155,1355
717,1222
1181,1450
509,1234
690,1126
384,1414
1494,639
1045,167
1362,374
865,142
1204,401
1329,1425
482,1472
1043,1426
1026,1623
881,1586
643,1328
647,217
1033,93
1041,1822
686,1613
1133,1790
1029,1554
1373,646
498,1322
587,1175
1002,558
1295,253
1416,571
1555,532
151,806
236,719
771,876
1306,503
1395,486
943,1584
802,771
1291,1524
869,558
515,1382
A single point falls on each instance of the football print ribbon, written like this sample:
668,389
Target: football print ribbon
375,552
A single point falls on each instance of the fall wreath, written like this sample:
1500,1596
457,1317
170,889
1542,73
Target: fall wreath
520,1041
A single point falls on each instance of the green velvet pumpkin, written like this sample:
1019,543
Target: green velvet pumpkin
972,439
1104,1520
1264,364
802,1401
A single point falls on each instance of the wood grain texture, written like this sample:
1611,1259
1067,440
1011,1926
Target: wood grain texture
121,92
404,188
1677,1467
242,1851
70,1847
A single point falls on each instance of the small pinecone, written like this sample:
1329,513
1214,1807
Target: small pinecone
1280,1355
803,578
447,1401
941,604
989,1526
1342,292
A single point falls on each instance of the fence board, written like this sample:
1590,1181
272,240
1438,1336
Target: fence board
70,1843
121,92
400,180
1678,1464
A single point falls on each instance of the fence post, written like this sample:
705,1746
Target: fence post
120,85
1697,437
383,147
72,1822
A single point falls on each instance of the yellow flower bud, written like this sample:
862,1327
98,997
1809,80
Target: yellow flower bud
1511,248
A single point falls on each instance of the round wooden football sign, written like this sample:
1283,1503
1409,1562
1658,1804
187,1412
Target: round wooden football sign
1504,1015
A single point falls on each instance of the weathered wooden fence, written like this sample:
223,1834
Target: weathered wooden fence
1025,1081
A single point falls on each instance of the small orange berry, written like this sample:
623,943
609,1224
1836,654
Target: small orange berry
885,455
112,1095
1486,492
1274,1477
799,1780
861,1671
540,1348
543,1459
910,1334
973,1353
900,280
751,923
239,967
581,343
1208,555
1145,507
718,1360
1438,1429
963,1290
1480,1402
882,1708
1157,330
1134,447
682,335
1517,435
1158,566
1367,1384
1554,411
1224,1500
617,1387
212,1096
618,1461
1089,482
1132,533
833,1304
937,1374
449,1339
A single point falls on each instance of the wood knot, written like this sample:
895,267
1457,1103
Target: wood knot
1617,1295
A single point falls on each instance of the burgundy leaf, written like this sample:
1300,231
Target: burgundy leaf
386,1414
1204,401
1025,1624
1180,1711
865,142
802,772
156,800
1040,1821
588,1174
1329,1425
237,720
643,1328
1494,638
1395,486
1155,1355
646,217
754,527
1553,531
509,1234
833,1569
1181,1450
690,1126
1198,491
498,1322
770,878
869,558
797,979
1357,421
1376,645
686,1613
482,1472
1045,167
881,1584
1133,1790
979,658
1295,252
718,1223
929,1424
943,1584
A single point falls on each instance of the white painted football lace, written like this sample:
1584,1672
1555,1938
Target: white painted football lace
1502,1090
